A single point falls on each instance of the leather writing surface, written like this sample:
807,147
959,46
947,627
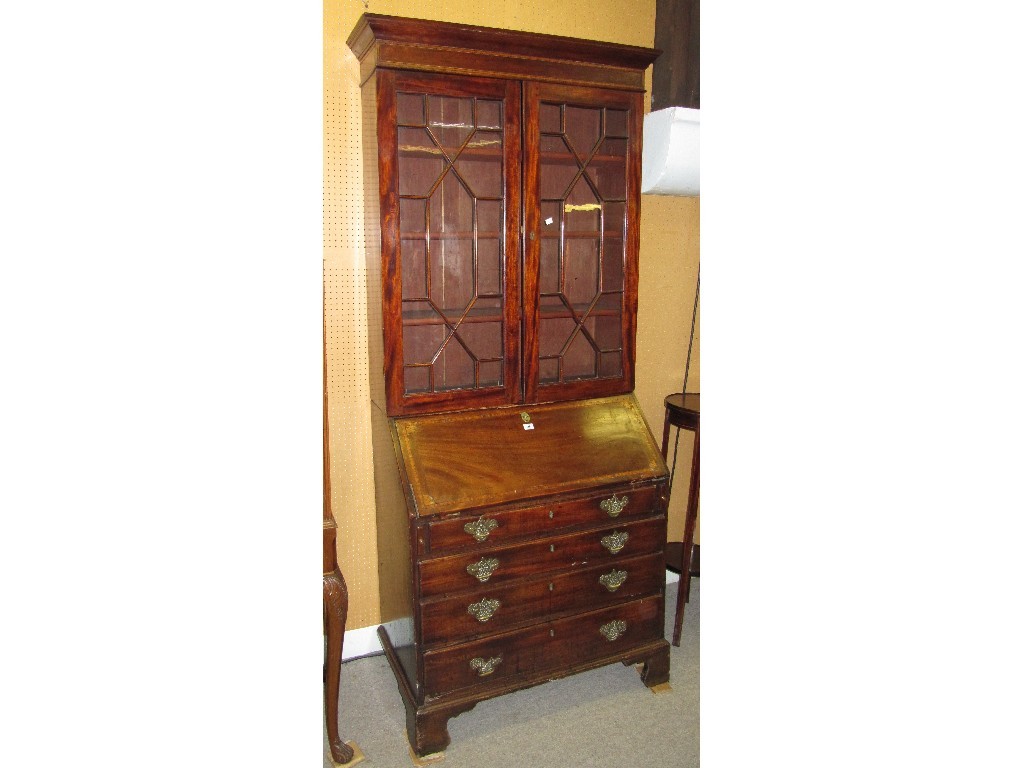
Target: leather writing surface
476,458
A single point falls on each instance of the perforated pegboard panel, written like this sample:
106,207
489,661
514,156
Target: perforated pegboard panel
352,497
668,257
345,313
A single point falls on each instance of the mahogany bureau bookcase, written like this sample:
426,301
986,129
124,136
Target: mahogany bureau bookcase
520,495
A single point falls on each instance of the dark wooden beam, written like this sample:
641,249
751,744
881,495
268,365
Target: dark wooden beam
676,80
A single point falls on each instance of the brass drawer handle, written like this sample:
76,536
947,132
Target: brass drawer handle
613,630
483,569
614,505
613,579
484,667
483,610
614,542
480,529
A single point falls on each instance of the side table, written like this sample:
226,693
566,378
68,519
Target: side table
683,412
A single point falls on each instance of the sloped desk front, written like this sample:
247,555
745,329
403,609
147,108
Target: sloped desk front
537,539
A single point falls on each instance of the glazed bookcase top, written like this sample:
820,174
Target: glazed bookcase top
508,180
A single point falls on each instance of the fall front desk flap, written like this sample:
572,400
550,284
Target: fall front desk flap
457,461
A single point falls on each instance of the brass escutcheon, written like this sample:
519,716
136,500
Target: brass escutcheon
483,610
613,630
614,542
484,668
480,529
613,579
483,568
614,505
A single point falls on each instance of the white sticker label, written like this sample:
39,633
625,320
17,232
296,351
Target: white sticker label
528,426
549,220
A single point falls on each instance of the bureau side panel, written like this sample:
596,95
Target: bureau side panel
393,546
372,237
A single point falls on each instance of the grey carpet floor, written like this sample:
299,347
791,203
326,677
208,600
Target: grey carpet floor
605,717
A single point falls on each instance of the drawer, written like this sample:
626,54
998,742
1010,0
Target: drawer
495,566
454,619
489,528
560,644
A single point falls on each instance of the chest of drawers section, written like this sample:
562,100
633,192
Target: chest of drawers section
536,553
568,565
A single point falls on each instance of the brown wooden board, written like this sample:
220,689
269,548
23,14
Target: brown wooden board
470,459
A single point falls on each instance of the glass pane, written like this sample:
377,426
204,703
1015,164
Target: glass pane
491,373
549,370
580,360
605,328
412,216
610,365
611,265
488,114
421,313
548,278
486,310
583,171
454,368
608,169
419,162
414,269
451,209
554,333
581,272
421,342
479,165
550,118
614,219
488,258
557,168
616,122
451,277
488,218
582,129
450,120
417,379
451,248
410,109
613,252
582,209
554,306
451,182
551,218
483,340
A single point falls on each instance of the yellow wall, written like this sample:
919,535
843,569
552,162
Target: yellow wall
669,254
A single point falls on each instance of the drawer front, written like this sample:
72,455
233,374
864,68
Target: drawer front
496,566
557,644
486,611
476,532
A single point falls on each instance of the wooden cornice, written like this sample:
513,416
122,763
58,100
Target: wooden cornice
396,42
